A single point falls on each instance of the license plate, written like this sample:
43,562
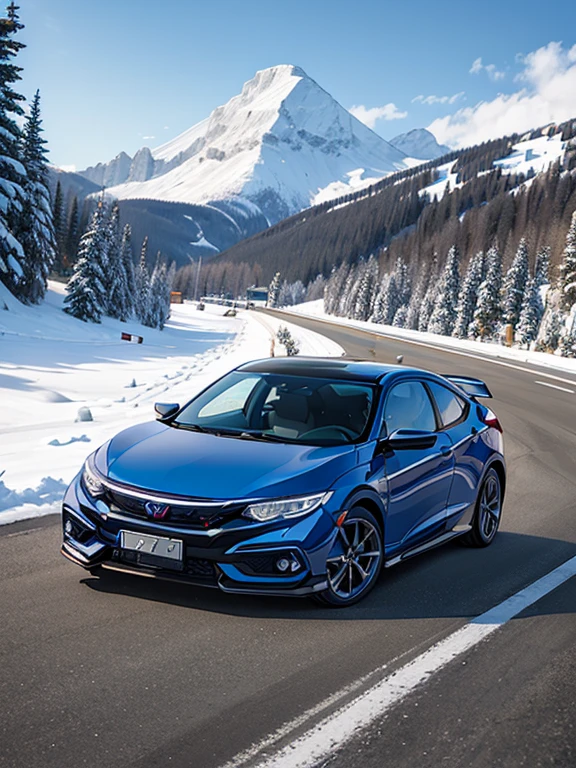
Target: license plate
152,546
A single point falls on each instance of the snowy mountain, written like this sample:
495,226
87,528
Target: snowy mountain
419,144
274,146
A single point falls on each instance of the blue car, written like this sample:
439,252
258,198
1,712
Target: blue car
293,476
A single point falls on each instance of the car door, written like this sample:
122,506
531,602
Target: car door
460,423
418,481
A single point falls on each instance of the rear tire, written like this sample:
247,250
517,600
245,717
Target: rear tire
355,561
487,514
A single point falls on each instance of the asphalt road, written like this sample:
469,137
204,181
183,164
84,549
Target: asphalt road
123,670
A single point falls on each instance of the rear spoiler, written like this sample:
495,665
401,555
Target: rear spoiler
472,387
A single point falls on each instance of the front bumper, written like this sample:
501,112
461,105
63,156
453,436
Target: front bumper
239,557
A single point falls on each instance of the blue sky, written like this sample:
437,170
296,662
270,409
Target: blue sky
114,73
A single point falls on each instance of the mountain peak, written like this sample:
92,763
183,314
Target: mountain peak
419,143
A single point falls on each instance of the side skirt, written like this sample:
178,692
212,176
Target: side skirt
428,545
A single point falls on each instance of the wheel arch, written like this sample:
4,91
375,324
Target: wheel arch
370,500
498,465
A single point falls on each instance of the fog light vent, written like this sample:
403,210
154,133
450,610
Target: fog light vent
288,564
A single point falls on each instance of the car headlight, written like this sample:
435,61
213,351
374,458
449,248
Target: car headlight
271,510
92,480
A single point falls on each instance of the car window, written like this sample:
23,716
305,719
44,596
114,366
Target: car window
408,406
232,399
450,406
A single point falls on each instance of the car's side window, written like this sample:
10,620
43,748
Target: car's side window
450,406
408,406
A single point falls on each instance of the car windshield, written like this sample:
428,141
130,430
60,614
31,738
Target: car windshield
285,408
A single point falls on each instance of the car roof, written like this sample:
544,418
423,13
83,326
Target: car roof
345,369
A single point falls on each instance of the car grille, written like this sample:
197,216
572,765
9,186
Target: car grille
189,516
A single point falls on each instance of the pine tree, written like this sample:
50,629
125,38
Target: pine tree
530,314
427,307
444,314
142,284
115,275
403,283
567,282
12,171
468,297
72,235
487,314
400,317
86,292
274,290
515,284
59,220
121,303
35,226
567,343
334,289
542,266
551,330
366,289
415,305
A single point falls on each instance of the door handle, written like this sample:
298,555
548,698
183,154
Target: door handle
446,451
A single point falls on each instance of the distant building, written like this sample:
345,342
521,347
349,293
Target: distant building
175,297
257,293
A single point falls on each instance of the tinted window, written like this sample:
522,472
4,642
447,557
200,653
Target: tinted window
408,407
232,399
451,407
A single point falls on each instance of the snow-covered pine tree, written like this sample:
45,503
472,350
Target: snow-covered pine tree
390,300
530,314
35,227
427,307
12,171
487,314
403,282
334,288
468,297
348,296
142,285
379,301
567,343
367,283
515,284
86,292
160,287
542,266
567,281
116,278
121,299
400,317
444,313
274,290
415,305
315,289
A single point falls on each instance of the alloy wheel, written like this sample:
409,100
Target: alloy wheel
490,508
355,559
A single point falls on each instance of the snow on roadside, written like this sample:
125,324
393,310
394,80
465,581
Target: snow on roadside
316,309
51,365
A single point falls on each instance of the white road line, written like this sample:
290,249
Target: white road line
430,345
555,386
334,731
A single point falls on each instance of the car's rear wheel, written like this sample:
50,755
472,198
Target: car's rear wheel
488,513
355,561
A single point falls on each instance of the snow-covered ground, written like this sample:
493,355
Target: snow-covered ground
535,154
51,365
316,309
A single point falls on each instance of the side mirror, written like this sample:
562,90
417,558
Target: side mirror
410,439
165,410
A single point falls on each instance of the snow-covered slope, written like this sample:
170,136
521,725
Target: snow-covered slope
276,144
420,144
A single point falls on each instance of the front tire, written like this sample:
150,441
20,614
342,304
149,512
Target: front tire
355,561
488,513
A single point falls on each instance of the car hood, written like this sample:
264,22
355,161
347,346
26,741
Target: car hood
167,460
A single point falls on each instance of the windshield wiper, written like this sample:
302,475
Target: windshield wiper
191,427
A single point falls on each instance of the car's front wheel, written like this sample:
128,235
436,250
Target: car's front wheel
488,513
354,563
